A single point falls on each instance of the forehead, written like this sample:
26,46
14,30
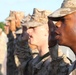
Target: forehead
8,21
70,16
32,26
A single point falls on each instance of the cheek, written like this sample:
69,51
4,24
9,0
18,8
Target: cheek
73,32
69,33
74,29
38,36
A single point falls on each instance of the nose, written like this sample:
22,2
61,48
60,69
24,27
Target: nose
29,31
7,23
58,24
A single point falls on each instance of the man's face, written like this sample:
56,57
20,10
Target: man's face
7,27
37,35
66,30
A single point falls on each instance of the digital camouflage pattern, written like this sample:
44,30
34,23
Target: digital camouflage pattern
38,18
38,65
46,65
72,69
59,64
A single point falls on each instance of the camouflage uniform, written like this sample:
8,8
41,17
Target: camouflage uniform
38,65
44,65
59,64
72,69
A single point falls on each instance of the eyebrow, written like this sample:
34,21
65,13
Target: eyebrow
56,18
31,27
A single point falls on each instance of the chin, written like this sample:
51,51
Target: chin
32,43
62,43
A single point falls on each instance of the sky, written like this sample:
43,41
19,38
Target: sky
27,6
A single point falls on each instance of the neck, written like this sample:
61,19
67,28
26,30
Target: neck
54,52
72,46
43,49
74,49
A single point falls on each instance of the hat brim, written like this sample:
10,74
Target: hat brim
18,31
8,19
31,24
62,12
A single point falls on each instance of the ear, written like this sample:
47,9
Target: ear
46,27
46,30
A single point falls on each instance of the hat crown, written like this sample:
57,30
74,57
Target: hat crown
26,18
67,7
69,4
13,15
40,15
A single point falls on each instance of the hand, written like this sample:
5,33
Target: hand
25,36
52,40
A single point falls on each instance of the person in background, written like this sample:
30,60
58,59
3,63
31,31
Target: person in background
23,50
3,51
12,24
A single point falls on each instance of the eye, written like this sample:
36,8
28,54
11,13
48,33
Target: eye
63,19
31,27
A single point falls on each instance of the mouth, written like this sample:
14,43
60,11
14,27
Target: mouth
30,37
57,35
